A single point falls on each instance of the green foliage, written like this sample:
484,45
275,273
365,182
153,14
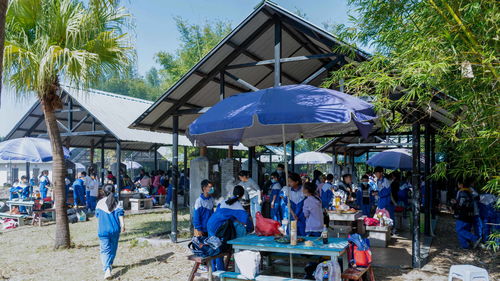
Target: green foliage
422,46
196,42
63,40
427,48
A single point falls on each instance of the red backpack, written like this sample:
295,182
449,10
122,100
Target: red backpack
359,251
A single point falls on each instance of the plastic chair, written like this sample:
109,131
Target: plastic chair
467,272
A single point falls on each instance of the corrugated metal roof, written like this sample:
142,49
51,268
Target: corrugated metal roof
252,40
112,113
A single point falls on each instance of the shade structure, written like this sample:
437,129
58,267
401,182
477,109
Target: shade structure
393,159
132,164
28,149
312,157
257,118
79,166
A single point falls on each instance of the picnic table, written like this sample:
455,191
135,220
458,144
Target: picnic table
21,203
336,247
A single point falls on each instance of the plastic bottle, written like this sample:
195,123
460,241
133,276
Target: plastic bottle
324,234
293,233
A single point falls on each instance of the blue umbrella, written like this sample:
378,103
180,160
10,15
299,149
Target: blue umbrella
28,149
393,159
260,117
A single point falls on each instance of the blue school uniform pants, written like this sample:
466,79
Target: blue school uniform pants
275,210
254,207
79,195
109,245
465,236
91,202
43,191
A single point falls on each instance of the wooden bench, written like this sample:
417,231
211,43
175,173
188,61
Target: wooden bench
208,262
19,218
357,273
232,276
37,216
139,204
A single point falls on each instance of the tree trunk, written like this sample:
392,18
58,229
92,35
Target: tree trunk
51,102
3,10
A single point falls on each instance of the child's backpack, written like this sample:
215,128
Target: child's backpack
204,246
328,270
359,251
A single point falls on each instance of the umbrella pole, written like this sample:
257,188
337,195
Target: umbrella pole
288,195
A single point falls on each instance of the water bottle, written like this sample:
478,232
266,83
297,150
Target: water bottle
324,234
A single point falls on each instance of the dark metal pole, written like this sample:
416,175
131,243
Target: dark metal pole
28,171
102,162
433,187
293,156
270,162
251,154
186,186
175,174
427,173
277,52
155,149
117,169
70,114
416,260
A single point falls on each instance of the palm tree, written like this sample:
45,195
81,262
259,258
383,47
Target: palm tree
3,11
48,41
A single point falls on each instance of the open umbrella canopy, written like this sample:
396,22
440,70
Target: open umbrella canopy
258,118
312,157
393,159
132,164
28,149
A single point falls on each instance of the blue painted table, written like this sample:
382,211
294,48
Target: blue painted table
336,247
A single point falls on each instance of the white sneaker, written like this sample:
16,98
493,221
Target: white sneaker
203,269
107,274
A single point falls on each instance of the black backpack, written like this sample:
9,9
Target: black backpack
464,209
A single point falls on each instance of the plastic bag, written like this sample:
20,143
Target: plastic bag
371,222
328,270
81,216
248,263
266,227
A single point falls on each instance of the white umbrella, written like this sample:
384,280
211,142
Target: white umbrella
312,157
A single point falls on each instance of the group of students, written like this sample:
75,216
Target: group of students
156,183
85,190
23,188
475,214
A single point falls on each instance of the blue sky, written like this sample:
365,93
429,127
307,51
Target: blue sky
155,31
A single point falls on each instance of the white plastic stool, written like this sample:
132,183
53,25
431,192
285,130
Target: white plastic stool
467,272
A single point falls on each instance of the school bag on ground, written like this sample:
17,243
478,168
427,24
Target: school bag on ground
359,251
205,246
329,270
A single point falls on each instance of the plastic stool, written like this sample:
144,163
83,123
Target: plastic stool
467,272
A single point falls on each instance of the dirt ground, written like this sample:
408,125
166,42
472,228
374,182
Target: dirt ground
26,254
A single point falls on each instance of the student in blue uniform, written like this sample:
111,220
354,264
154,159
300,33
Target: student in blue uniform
297,202
464,215
275,197
16,190
313,212
364,197
203,208
326,192
110,222
384,192
230,209
490,216
43,183
79,191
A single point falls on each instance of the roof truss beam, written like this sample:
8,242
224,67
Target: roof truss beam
241,81
324,68
228,59
192,111
79,134
81,122
257,58
77,109
283,60
217,80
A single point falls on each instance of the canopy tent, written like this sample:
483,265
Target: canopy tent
312,157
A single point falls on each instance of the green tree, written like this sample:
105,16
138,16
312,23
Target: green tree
48,41
196,42
430,48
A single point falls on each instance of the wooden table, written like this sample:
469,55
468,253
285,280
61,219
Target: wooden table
21,203
337,247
